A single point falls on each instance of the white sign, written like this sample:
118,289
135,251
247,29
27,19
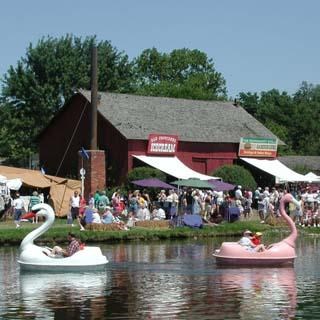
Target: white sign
258,147
82,171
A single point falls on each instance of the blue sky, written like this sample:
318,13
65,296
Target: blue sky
256,45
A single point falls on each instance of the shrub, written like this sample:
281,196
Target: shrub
237,175
144,173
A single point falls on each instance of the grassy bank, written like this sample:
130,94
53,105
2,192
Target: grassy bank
57,233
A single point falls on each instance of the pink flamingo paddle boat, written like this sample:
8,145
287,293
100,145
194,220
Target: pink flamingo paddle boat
278,254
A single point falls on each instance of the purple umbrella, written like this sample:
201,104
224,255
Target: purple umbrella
221,186
152,183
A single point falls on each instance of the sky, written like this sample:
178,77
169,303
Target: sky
256,45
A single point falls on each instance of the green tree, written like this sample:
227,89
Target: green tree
274,110
44,79
183,73
294,119
250,102
302,169
236,175
306,125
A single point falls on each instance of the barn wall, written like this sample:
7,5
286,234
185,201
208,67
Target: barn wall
63,138
201,157
116,149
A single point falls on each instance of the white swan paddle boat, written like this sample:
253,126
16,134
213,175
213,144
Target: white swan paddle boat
36,258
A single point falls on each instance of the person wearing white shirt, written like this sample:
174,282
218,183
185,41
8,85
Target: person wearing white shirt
18,206
266,192
143,213
158,213
96,216
318,199
238,193
74,203
161,215
309,198
174,200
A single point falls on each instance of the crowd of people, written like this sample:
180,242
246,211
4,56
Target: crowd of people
138,205
21,209
307,214
126,209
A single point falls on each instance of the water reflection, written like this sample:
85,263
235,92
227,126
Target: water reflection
260,292
50,295
80,294
164,280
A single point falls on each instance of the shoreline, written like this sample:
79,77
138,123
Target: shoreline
9,235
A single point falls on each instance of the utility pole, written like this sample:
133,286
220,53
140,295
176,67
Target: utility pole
94,98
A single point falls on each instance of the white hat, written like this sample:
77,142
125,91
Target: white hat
239,187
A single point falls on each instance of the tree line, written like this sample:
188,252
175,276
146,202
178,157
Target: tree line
36,88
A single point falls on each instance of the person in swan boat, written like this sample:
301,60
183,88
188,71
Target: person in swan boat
72,248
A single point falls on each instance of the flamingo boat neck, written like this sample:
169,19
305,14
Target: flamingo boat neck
37,258
278,254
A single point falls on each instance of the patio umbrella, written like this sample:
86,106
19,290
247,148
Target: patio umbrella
194,183
221,186
153,183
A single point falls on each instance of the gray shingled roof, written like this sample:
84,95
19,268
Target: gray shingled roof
192,120
311,162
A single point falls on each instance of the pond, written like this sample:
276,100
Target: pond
164,280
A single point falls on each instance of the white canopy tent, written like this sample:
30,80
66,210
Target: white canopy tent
174,167
274,167
9,184
14,184
3,179
311,177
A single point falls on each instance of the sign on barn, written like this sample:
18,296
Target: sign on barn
162,144
258,147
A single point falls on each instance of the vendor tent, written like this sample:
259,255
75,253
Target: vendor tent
277,169
311,177
9,184
32,178
14,184
60,189
174,167
152,183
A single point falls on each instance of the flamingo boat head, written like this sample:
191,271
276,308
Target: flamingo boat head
36,258
278,254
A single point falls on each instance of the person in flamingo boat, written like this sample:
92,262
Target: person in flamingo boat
246,242
256,239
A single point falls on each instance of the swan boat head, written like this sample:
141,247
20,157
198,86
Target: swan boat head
35,258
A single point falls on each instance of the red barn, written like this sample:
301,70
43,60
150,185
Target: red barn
208,132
